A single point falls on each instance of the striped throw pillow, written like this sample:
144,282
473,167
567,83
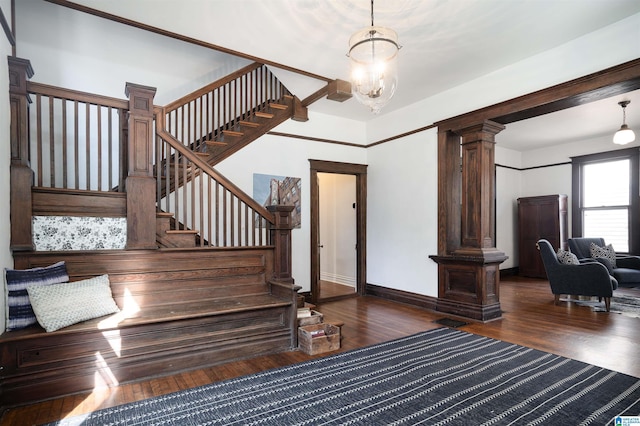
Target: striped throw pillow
20,313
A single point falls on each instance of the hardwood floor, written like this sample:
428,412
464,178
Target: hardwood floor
329,290
530,318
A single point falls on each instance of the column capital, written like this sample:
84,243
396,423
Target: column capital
484,131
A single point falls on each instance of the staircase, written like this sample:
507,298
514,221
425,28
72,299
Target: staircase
213,123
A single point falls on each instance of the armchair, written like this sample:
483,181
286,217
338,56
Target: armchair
625,269
584,279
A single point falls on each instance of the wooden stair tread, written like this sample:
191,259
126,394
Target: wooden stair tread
160,313
217,143
249,124
233,133
277,106
181,231
263,114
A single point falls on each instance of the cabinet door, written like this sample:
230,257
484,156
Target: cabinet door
528,216
548,222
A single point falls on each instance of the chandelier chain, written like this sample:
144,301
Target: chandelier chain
372,13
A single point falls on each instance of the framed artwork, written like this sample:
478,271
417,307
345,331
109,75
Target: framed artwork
271,190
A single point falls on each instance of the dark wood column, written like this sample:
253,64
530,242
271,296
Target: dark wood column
280,238
21,175
468,262
140,183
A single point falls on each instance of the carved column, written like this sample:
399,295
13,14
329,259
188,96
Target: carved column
21,175
469,275
140,183
280,237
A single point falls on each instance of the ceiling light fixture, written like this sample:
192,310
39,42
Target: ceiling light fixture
373,52
625,135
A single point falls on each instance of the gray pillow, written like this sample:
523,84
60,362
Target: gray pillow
60,305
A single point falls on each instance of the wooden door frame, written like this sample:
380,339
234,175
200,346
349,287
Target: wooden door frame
360,172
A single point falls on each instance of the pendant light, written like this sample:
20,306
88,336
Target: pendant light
625,135
373,52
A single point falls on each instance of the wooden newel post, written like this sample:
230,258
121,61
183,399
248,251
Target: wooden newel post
21,174
280,237
140,183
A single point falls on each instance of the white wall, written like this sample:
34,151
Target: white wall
276,155
508,190
402,213
6,260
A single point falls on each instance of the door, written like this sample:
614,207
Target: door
331,262
337,235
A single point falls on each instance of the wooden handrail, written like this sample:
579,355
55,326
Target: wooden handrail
77,139
210,87
206,168
76,95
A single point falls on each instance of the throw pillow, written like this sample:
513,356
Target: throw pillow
567,258
19,312
607,253
60,305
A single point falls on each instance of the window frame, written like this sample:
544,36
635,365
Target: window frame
577,163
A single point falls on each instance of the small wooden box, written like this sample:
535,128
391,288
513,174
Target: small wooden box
315,318
313,344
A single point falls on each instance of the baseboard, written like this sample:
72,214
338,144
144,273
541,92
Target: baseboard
401,296
509,272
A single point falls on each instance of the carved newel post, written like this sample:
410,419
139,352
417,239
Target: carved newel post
280,238
21,175
469,275
140,183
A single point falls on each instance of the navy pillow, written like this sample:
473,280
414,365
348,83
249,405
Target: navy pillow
20,313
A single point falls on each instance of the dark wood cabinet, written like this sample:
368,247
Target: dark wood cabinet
540,217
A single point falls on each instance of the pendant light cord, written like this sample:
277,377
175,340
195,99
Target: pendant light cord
372,13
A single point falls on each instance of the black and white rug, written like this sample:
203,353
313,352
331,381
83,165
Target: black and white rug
625,305
442,376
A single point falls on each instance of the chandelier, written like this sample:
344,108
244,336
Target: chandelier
373,52
625,135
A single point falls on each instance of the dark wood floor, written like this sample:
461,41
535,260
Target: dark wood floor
329,290
530,318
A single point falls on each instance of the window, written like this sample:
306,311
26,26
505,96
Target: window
605,198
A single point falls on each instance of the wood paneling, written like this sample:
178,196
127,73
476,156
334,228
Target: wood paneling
68,202
182,309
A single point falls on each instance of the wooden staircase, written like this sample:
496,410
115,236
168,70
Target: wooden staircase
200,130
205,276
240,133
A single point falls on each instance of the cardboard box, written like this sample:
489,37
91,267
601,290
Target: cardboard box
318,338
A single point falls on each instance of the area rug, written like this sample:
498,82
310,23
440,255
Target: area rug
442,376
625,305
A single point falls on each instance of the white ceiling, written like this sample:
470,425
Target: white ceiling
445,43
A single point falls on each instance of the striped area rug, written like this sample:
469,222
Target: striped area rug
442,376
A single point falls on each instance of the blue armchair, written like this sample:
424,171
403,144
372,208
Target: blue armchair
584,279
626,269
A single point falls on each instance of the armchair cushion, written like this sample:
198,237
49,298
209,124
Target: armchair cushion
606,252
